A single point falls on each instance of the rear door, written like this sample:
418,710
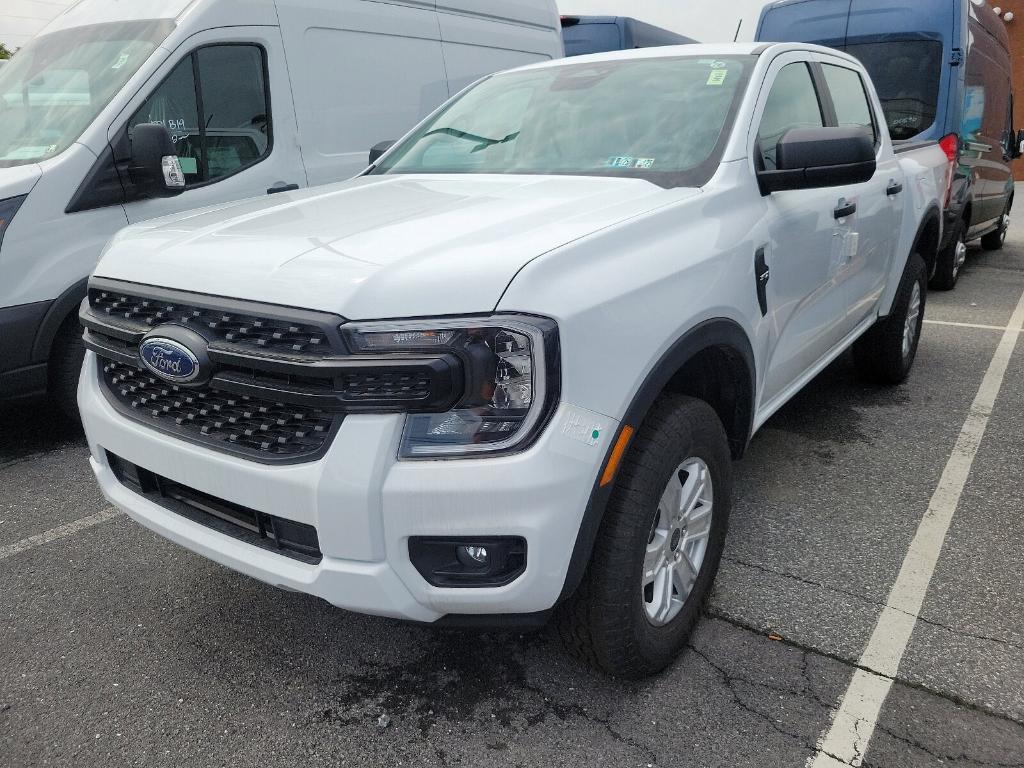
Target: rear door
985,122
866,236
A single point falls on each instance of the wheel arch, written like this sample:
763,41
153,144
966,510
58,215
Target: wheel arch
63,307
928,238
713,361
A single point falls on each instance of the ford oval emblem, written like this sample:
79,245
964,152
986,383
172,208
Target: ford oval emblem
169,360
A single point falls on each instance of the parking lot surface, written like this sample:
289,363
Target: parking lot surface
120,648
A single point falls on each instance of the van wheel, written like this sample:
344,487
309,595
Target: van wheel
994,240
66,358
951,260
659,545
886,353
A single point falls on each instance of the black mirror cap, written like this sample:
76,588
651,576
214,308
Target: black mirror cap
812,158
1018,146
151,175
379,149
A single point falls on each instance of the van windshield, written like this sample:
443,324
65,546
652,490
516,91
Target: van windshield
906,75
661,119
55,86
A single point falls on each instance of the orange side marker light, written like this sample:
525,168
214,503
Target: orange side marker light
618,451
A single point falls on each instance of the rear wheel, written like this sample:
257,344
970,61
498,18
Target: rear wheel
66,366
659,545
951,260
994,240
886,353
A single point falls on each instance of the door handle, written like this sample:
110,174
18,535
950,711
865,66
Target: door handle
894,188
282,188
844,209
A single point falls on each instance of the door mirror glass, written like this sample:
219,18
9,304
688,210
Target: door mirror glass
812,158
380,149
1018,149
154,167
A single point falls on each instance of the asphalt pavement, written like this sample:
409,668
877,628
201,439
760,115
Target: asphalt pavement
119,648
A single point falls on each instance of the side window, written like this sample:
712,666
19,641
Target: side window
792,103
214,104
850,98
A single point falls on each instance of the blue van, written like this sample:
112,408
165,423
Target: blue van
599,34
942,72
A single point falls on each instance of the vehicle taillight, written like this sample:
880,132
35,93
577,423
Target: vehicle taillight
950,144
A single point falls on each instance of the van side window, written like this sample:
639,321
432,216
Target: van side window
215,106
792,103
850,98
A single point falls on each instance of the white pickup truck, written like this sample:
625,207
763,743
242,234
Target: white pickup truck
503,374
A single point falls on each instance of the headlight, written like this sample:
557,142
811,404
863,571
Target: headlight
8,208
511,380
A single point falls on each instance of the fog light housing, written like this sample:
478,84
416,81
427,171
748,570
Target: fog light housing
464,561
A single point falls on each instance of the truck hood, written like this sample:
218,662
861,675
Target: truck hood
378,246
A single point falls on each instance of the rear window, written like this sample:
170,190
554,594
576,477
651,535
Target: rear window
906,75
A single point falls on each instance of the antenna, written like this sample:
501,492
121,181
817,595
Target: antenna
737,35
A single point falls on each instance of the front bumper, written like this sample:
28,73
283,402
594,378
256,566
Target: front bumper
365,505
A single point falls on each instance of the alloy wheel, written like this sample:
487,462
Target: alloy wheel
678,541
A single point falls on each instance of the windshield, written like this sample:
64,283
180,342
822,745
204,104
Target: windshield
58,83
906,75
660,119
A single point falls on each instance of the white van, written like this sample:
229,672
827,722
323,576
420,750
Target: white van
257,96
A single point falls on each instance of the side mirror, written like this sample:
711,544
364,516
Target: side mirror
812,158
154,167
1018,148
380,149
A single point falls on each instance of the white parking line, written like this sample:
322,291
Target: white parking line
853,723
68,529
974,325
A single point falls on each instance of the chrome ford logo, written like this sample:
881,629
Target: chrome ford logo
169,360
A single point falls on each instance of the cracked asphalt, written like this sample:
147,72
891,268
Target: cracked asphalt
119,648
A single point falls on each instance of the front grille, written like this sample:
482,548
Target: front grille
236,422
239,328
298,541
270,383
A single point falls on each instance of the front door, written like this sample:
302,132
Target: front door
804,254
215,100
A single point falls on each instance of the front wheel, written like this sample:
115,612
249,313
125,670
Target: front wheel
659,545
66,358
886,353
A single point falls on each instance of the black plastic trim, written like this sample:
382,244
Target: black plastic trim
19,326
716,332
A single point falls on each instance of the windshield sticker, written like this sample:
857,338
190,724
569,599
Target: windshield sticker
121,60
644,162
717,76
620,161
29,153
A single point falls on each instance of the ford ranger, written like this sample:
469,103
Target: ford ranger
502,375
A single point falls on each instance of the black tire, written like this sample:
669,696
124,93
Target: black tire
879,353
947,266
66,366
994,240
605,623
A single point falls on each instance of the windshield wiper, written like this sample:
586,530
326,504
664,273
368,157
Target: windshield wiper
482,142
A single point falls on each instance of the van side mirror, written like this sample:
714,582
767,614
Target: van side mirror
813,158
380,149
154,167
1018,147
